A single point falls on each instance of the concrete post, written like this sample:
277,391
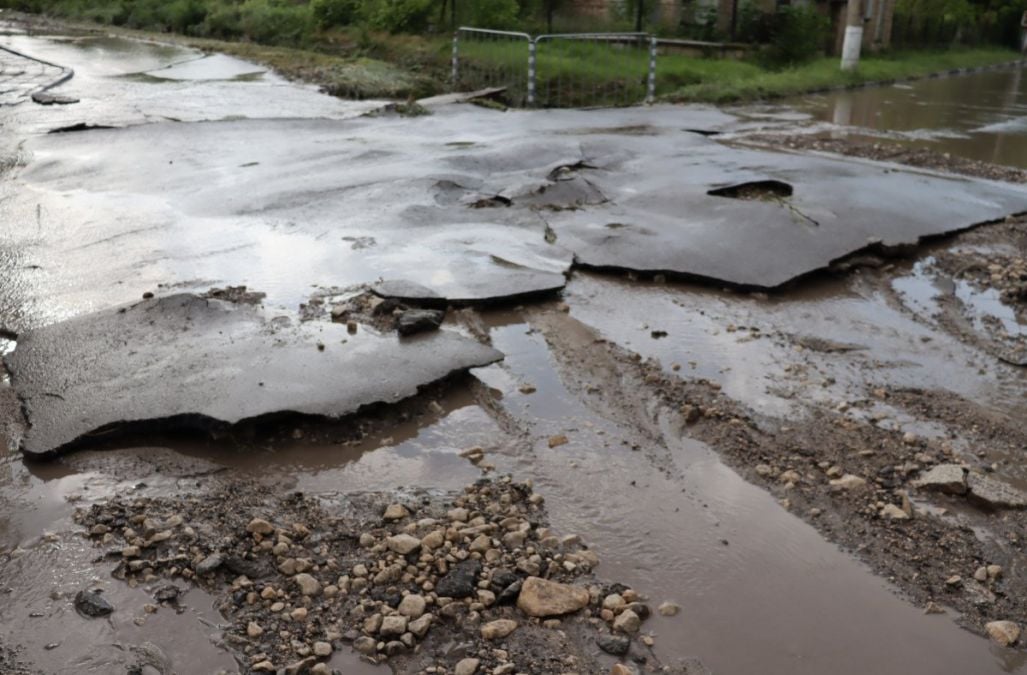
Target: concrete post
531,72
853,35
456,57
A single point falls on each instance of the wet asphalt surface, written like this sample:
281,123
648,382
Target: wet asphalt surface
230,176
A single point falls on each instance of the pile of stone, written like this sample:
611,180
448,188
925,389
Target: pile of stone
299,584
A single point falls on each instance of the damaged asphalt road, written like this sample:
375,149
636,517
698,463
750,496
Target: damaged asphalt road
191,361
748,464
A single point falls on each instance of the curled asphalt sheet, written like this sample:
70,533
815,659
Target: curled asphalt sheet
190,360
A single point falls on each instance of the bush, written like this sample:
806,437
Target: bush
222,21
272,22
797,35
397,16
185,16
491,13
329,13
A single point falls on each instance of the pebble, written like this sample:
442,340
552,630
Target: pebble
558,440
92,604
542,598
393,625
618,645
954,580
669,609
260,526
254,630
981,574
466,667
403,544
396,512
627,622
308,584
621,669
994,571
412,606
1003,633
894,512
848,482
322,649
498,629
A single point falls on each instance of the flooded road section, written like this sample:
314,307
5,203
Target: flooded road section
980,116
759,459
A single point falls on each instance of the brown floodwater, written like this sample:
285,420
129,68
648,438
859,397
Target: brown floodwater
981,116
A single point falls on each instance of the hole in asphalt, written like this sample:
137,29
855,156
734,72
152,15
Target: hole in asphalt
759,190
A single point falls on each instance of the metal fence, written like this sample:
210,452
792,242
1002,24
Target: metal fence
557,70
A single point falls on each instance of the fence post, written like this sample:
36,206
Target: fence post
456,57
531,71
651,89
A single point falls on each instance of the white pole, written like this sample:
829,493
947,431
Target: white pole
853,41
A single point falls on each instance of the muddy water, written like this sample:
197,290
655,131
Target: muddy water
664,514
981,116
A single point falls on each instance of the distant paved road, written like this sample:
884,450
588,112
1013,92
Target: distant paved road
21,75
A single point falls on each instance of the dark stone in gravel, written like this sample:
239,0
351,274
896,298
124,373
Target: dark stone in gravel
253,569
91,603
461,582
210,563
168,593
509,594
419,320
617,645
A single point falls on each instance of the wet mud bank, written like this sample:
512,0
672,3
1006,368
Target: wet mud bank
435,440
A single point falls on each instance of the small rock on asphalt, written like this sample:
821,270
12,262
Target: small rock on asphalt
498,629
419,320
610,643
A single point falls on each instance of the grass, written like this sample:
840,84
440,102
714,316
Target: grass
355,63
733,81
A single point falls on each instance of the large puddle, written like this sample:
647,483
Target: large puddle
981,116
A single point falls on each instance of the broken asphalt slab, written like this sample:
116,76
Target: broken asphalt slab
190,360
466,204
672,207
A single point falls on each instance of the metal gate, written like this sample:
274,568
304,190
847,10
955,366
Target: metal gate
558,70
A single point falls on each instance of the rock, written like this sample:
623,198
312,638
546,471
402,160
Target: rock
308,584
558,440
947,478
92,604
933,608
981,574
458,514
610,643
954,580
365,645
994,571
403,544
790,476
322,649
419,320
621,669
412,606
498,629
209,564
461,582
260,526
669,609
542,598
433,540
393,625
1004,633
302,666
396,512
264,666
893,512
167,593
420,625
848,482
254,630
994,493
627,622
466,667
252,569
